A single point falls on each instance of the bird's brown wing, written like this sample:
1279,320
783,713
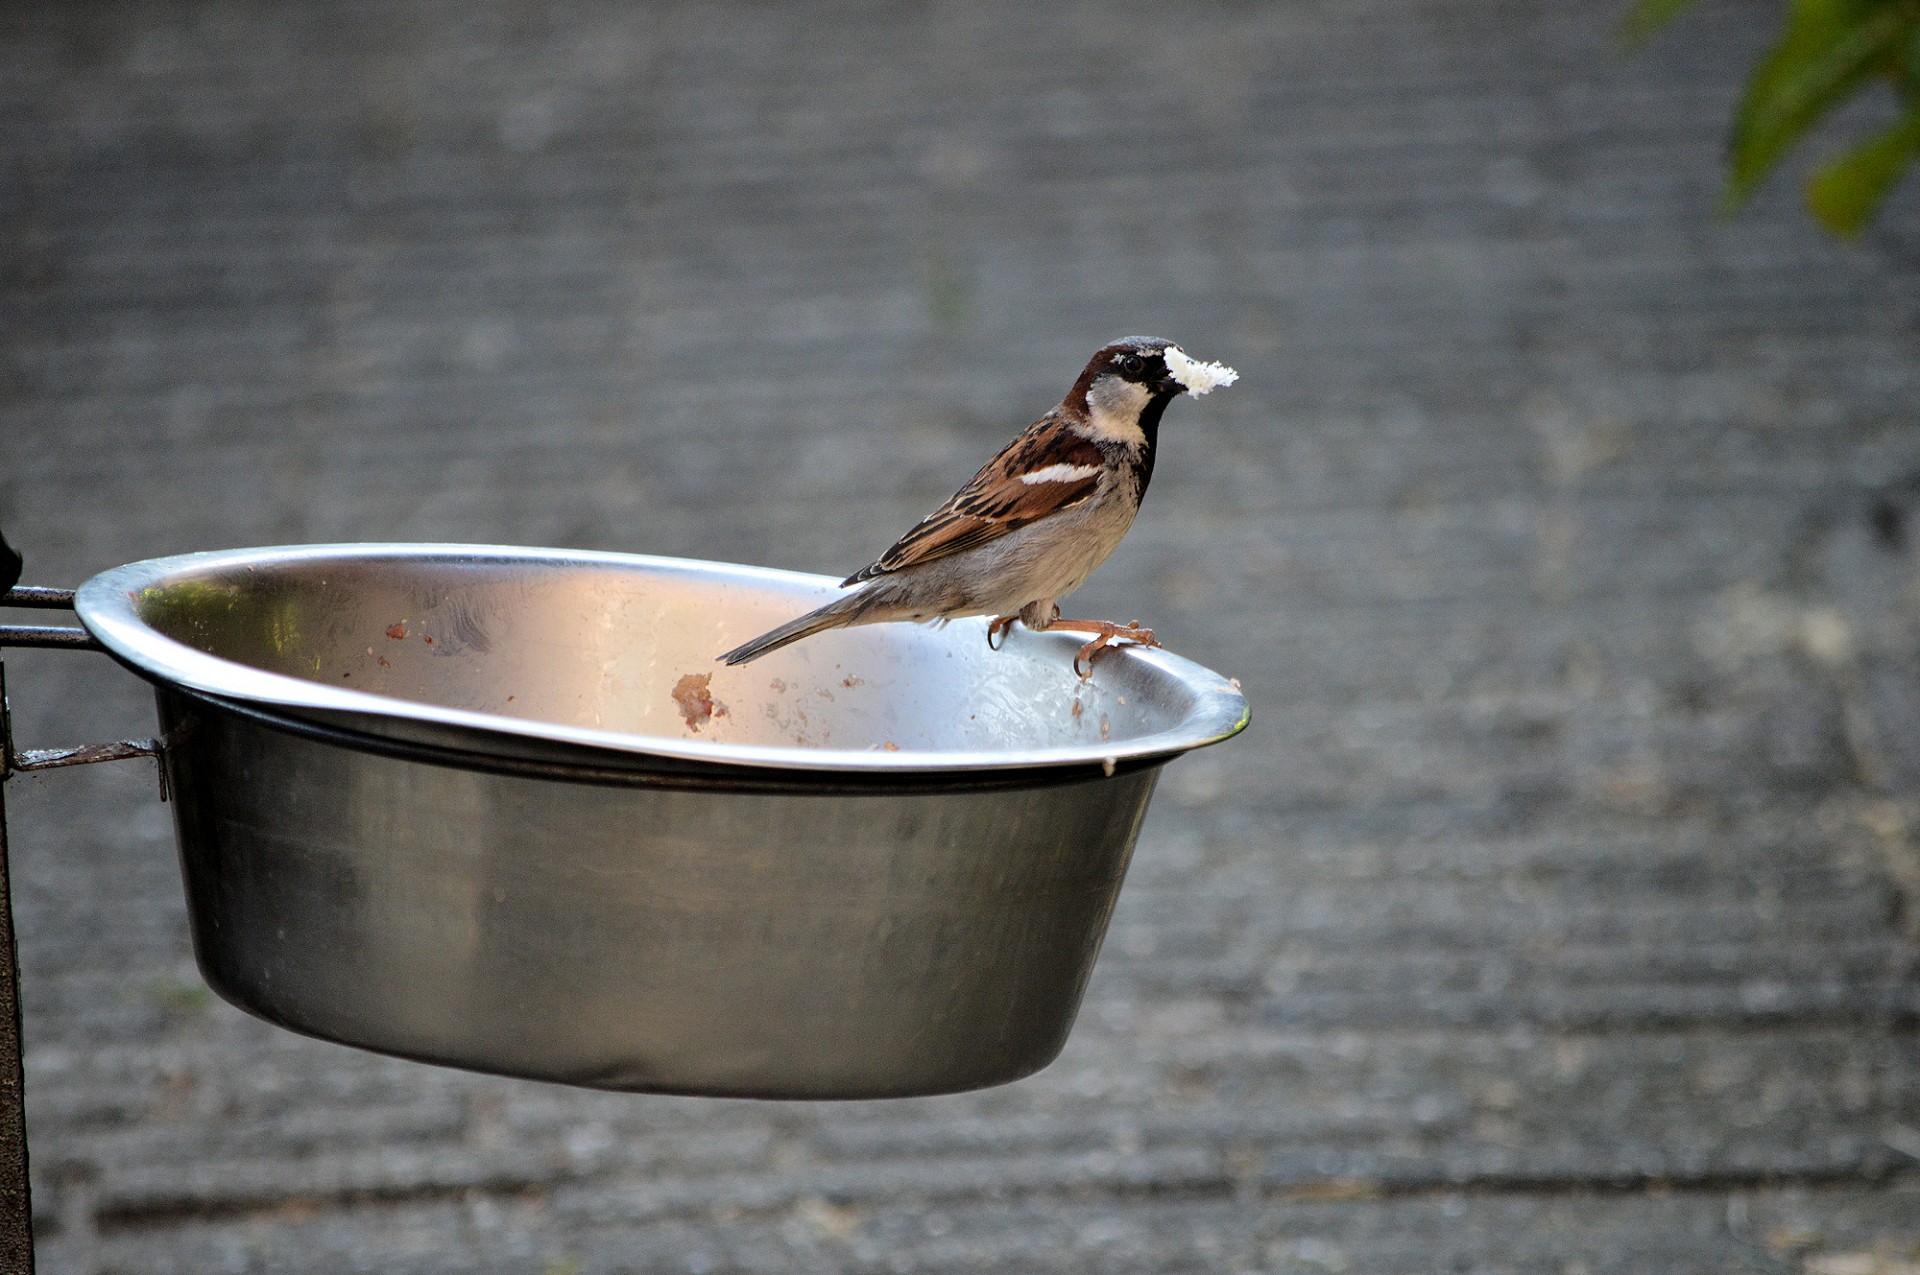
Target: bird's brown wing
1048,468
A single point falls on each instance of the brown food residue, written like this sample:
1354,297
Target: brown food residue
697,705
397,631
427,640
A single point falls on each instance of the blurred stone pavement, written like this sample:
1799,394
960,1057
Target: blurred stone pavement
1560,911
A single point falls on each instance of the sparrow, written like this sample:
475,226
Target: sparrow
1032,525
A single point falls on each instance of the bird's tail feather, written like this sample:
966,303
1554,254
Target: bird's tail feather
831,616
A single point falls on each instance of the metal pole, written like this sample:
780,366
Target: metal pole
16,1202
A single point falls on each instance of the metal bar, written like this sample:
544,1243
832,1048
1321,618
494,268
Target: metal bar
14,760
21,760
16,1193
82,755
49,636
27,595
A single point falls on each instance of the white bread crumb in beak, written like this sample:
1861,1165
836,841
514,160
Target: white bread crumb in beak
1198,378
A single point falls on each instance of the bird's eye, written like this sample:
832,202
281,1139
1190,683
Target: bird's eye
1131,364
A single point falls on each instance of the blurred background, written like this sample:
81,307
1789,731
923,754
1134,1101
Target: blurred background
1559,911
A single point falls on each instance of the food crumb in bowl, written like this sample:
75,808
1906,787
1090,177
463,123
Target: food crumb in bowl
891,747
697,705
397,631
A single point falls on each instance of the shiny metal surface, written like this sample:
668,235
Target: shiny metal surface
885,869
541,653
776,945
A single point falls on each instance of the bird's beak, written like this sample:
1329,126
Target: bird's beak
1193,376
1167,382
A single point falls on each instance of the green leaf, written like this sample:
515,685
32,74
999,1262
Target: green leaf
1844,195
1825,52
1647,17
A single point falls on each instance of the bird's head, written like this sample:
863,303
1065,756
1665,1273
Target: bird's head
1127,384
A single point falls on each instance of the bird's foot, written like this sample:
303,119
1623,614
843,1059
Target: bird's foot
1105,632
998,630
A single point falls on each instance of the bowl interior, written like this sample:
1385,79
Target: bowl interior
618,652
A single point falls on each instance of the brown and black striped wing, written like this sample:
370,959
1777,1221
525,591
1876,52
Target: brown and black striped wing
1048,468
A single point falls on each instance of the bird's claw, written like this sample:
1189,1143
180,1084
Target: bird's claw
998,630
1105,634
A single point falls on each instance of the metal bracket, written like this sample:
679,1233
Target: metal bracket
16,1192
58,637
19,761
46,636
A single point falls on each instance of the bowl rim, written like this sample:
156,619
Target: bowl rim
106,606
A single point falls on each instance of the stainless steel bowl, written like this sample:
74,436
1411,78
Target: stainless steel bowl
498,808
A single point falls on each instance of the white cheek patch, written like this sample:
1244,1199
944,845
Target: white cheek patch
1114,406
1060,474
1198,378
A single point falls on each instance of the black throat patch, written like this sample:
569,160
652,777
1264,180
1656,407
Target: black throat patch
1150,426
